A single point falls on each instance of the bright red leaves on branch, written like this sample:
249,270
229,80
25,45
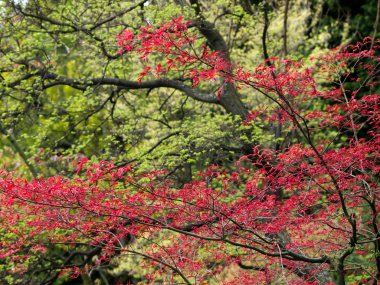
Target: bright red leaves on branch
177,44
125,40
293,215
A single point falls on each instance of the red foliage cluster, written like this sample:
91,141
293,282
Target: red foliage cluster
291,214
177,45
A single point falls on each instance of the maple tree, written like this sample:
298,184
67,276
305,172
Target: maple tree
66,91
300,214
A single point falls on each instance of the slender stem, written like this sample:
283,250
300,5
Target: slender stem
285,45
376,23
17,148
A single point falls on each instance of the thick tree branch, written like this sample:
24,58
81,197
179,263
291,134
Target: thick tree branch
229,97
264,35
250,267
55,80
128,84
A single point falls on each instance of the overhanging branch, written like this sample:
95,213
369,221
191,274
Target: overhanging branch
53,79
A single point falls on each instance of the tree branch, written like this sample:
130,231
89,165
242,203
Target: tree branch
264,35
17,148
55,80
128,84
285,37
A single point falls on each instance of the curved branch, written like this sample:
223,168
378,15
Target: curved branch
149,150
250,267
129,9
73,28
55,80
19,150
174,268
128,84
